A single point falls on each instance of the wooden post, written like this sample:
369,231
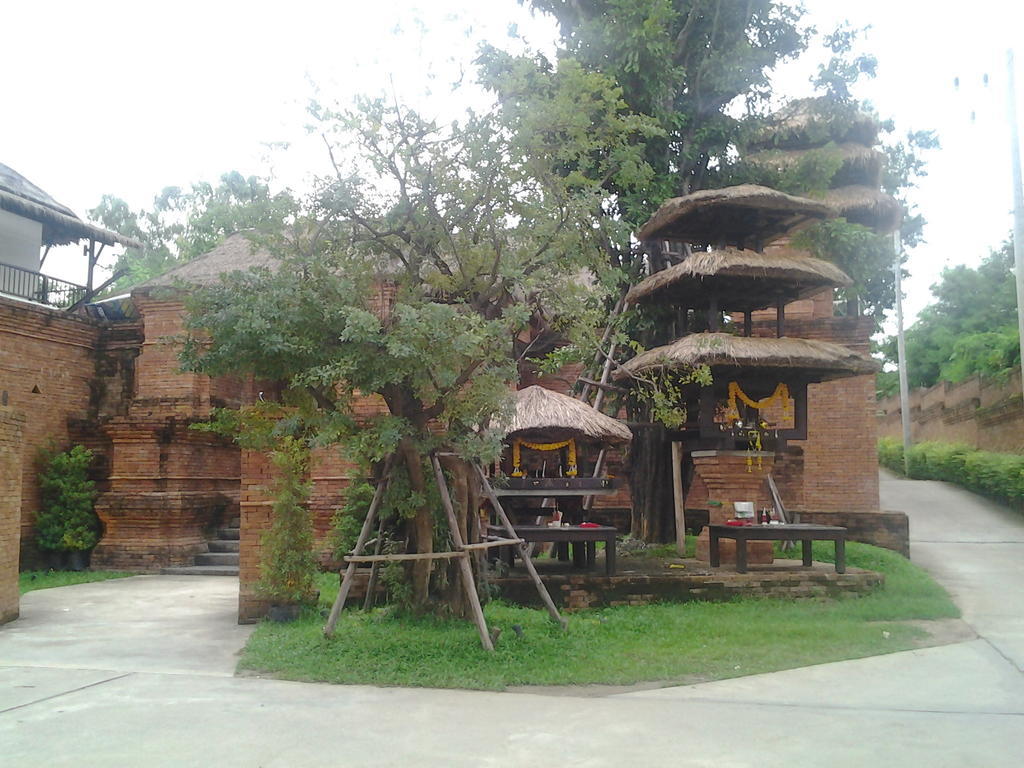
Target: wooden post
677,496
466,571
364,534
527,562
371,585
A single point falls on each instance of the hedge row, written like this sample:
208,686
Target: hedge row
999,476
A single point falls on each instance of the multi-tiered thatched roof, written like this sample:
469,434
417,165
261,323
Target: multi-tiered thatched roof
747,216
810,359
743,279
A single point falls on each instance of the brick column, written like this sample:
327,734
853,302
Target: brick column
254,520
12,424
726,477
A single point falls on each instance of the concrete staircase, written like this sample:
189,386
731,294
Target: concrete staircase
220,559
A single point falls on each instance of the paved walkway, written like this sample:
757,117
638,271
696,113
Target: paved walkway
138,672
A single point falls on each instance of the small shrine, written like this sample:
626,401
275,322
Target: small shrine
736,430
554,442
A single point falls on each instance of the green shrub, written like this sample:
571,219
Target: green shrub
890,454
66,521
999,476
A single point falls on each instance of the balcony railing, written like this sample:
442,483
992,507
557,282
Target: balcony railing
27,284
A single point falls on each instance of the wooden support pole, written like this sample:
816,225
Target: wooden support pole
523,553
371,585
677,497
364,535
465,569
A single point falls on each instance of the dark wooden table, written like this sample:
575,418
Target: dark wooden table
583,540
804,532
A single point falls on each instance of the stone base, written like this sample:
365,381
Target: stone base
758,552
150,531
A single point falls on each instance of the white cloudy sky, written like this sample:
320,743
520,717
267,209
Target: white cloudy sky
129,97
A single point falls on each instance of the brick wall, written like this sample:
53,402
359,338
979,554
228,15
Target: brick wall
48,369
985,414
254,518
12,425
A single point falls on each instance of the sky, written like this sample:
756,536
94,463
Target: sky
127,98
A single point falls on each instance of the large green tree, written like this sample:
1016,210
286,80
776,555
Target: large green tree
414,266
185,223
969,328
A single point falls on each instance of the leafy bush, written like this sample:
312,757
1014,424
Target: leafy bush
999,476
66,521
890,454
288,570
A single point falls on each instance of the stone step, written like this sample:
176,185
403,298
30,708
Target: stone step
223,545
234,522
201,570
217,558
228,533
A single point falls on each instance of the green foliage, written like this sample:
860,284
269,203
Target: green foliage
288,567
659,393
865,256
999,476
29,581
183,224
617,646
890,454
66,521
969,328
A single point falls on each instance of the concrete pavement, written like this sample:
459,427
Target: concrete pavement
144,677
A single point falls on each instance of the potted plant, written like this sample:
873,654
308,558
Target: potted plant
66,526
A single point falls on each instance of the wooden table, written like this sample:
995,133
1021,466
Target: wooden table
584,541
805,532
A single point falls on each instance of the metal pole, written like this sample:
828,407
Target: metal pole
901,351
1018,203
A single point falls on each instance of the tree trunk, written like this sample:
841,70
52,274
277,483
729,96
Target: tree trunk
653,517
421,528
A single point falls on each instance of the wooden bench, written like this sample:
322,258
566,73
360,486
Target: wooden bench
584,541
804,532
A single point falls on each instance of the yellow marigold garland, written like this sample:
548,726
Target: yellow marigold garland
732,412
517,445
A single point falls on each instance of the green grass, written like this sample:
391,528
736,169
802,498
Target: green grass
681,641
29,581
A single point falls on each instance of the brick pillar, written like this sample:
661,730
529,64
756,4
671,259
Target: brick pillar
12,424
254,519
727,478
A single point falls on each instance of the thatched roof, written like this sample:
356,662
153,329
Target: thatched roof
238,253
813,122
61,226
543,412
861,164
866,205
745,280
747,216
811,359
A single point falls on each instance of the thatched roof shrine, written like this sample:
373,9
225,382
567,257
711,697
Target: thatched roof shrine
544,413
238,253
61,226
747,216
743,280
808,359
867,206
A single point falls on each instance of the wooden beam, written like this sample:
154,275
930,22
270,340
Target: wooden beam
465,569
677,497
364,534
403,557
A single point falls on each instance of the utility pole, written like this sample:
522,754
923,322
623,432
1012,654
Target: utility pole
1018,203
901,349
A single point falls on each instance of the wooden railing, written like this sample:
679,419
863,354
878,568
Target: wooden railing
26,284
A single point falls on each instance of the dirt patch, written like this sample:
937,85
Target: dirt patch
941,631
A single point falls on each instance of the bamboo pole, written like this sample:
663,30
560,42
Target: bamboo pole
364,534
466,571
371,585
677,497
527,562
